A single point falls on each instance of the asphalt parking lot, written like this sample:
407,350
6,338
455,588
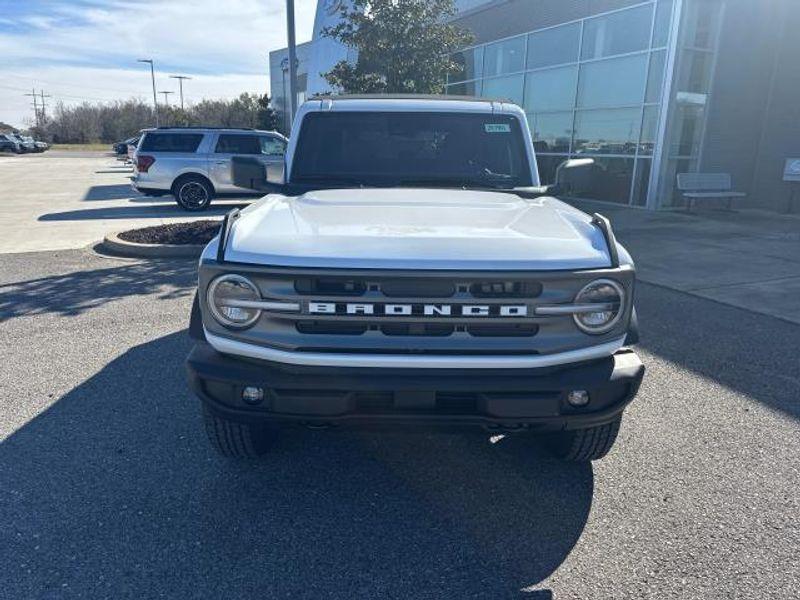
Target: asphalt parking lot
108,488
66,200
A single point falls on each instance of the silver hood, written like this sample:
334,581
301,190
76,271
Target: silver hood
416,229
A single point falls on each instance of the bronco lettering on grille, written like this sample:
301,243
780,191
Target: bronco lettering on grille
417,310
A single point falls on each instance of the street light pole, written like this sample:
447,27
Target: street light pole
153,78
166,98
292,59
180,79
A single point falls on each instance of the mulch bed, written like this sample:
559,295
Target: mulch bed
198,232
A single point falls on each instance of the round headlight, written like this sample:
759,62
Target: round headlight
231,298
609,296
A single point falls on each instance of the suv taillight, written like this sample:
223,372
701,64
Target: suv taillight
143,163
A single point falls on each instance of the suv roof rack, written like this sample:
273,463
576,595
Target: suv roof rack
451,97
203,127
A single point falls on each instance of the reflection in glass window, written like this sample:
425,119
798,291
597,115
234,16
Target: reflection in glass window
612,131
554,46
687,129
615,82
695,72
547,167
617,33
702,21
649,130
469,88
552,130
609,179
663,17
551,89
504,88
655,77
641,180
471,62
504,57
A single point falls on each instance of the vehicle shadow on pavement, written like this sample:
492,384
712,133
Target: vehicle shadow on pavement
108,192
754,354
158,210
79,291
114,491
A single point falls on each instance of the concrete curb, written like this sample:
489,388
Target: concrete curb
114,243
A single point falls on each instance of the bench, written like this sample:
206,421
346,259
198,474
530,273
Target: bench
706,186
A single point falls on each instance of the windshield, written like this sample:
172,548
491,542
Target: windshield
412,149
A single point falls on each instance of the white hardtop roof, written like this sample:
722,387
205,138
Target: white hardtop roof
410,103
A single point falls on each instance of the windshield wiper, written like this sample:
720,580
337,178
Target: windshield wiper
450,182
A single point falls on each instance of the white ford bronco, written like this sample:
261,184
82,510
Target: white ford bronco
409,269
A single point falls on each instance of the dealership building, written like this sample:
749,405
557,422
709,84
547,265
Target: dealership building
648,89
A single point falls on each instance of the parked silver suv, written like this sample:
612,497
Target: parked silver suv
194,164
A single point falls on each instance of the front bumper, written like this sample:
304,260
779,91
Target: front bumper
494,398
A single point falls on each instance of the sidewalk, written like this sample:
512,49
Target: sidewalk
748,259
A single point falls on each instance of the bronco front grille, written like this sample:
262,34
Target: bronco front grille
412,313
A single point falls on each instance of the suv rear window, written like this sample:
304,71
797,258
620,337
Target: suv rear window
238,144
171,142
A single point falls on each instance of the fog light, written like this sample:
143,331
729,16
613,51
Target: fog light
578,398
253,395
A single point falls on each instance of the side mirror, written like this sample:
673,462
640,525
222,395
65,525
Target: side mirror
572,163
561,186
251,174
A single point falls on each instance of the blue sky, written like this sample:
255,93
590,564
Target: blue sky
86,50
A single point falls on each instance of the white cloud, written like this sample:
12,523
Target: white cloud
90,50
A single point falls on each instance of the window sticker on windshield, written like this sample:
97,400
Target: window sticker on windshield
497,127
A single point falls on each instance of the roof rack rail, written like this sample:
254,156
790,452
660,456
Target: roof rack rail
204,127
604,225
225,232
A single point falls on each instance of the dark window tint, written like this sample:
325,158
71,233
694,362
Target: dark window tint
171,142
238,144
474,149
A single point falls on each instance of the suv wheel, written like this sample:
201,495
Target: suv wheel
236,440
193,192
581,445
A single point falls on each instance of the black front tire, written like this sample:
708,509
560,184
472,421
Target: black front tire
193,193
236,440
582,445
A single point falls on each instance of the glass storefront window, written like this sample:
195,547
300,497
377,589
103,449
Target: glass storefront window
700,24
609,179
469,88
504,57
504,88
641,181
555,46
655,76
471,62
618,33
614,82
551,89
552,130
647,141
687,129
695,71
611,131
663,19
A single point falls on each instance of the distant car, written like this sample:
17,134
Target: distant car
36,146
26,145
121,148
194,163
9,144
